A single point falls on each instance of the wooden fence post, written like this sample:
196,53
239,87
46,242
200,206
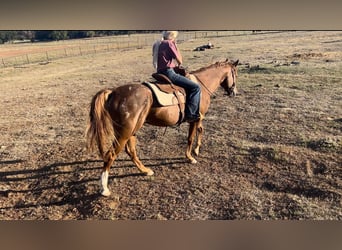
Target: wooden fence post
3,62
28,61
47,56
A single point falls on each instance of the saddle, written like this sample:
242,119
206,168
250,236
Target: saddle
168,94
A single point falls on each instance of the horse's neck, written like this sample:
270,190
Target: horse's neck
211,79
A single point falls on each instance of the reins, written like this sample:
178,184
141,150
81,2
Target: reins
206,88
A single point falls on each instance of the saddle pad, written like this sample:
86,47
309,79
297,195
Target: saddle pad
163,98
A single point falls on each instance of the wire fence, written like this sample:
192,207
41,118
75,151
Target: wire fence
46,52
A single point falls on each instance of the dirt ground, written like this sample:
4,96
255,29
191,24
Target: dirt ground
272,152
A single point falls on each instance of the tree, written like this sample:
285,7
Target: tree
43,35
58,35
6,36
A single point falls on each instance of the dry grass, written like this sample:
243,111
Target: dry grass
273,152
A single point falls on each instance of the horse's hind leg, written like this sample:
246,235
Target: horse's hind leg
108,162
132,152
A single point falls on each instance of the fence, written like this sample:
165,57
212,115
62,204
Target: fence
79,47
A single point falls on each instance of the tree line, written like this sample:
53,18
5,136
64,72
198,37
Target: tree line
56,35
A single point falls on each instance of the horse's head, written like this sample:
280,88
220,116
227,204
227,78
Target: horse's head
229,79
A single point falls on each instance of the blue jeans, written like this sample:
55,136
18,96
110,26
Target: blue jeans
192,89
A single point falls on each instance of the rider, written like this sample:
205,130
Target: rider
168,55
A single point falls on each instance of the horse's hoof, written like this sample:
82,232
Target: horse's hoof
106,193
196,151
193,161
149,173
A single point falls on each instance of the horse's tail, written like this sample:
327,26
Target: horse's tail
100,130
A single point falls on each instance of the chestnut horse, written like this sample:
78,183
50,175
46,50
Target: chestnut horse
117,114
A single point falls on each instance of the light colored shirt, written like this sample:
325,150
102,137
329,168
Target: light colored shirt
155,49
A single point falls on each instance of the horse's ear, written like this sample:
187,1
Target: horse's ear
236,63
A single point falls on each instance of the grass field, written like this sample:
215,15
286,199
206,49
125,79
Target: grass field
272,152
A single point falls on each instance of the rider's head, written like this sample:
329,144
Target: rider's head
170,35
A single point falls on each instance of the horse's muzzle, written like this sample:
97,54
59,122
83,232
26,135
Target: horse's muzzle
232,92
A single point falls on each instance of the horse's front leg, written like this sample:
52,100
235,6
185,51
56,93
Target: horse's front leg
199,137
191,137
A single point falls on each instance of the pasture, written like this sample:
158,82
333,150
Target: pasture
272,152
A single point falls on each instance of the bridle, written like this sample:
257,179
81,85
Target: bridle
230,89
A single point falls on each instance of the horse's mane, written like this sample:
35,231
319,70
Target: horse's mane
214,65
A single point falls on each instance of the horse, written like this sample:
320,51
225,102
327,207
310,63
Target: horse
116,114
